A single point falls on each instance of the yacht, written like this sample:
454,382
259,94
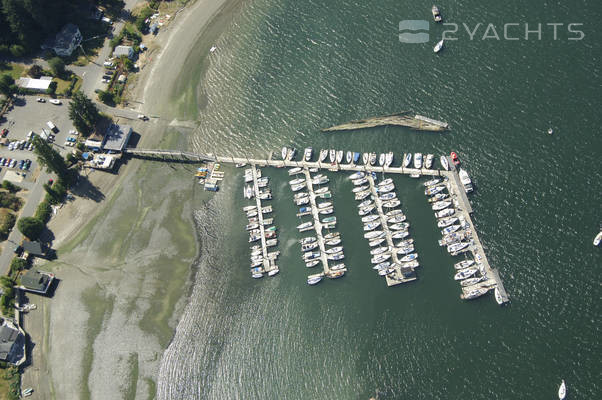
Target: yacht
434,190
365,203
358,189
389,159
326,204
301,201
387,196
300,195
257,275
362,195
456,247
295,171
321,190
376,242
310,255
356,157
436,14
370,218
365,158
332,155
399,234
385,189
598,239
305,225
292,152
562,391
249,208
407,159
465,179
409,257
372,158
417,160
473,294
338,267
357,175
393,213
284,152
428,163
391,203
297,187
382,265
320,181
309,246
386,271
326,211
386,182
472,281
361,181
273,272
335,257
498,296
296,181
314,280
309,239
432,182
465,273
463,264
374,234
438,46
308,153
444,163
402,226
380,258
333,241
366,210
440,205
381,159
334,250
339,156
369,226
445,213
438,197
404,250
328,220
332,235
442,223
450,229
348,157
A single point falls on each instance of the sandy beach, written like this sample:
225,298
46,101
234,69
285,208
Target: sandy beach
125,253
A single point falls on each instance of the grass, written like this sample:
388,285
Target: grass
152,388
12,69
130,392
9,377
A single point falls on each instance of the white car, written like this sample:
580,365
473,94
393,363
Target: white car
41,100
108,64
55,101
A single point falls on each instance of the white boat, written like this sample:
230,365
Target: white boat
386,271
386,188
389,159
417,160
440,205
457,247
329,220
320,181
250,227
326,211
323,154
432,182
326,204
371,225
365,203
407,159
399,227
370,218
376,242
598,239
300,195
400,234
472,281
332,155
321,190
379,250
308,153
334,250
438,197
358,182
257,275
212,49
381,159
296,181
309,246
339,156
332,235
450,229
428,163
409,257
430,191
365,158
298,186
386,182
362,195
473,294
292,152
404,250
357,175
332,242
273,272
438,46
396,218
348,157
498,296
310,255
314,280
393,213
387,196
380,258
442,223
372,158
305,225
465,273
312,263
374,235
249,208
366,210
301,201
382,265
436,14
391,203
309,239
445,213
465,179
444,163
358,189
335,257
338,267
562,391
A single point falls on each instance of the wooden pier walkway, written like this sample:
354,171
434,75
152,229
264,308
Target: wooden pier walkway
317,224
267,264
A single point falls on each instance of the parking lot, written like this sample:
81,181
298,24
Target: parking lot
30,115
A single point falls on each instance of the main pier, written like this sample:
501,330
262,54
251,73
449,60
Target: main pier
317,224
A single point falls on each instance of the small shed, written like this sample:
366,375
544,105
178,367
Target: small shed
123,51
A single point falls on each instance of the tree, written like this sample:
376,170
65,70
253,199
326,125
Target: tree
35,71
57,65
106,97
50,158
7,85
51,88
17,264
83,113
30,227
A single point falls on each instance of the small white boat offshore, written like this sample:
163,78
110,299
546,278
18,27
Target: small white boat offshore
598,239
444,163
562,391
314,280
438,46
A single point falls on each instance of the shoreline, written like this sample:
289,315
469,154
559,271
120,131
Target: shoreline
96,240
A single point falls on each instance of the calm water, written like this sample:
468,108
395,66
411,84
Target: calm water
287,68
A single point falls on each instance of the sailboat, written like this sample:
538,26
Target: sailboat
438,46
562,391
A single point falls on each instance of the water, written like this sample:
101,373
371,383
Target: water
287,68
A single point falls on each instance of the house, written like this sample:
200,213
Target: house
66,40
35,248
12,343
36,281
40,85
117,137
124,51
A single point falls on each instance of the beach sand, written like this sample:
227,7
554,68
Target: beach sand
125,245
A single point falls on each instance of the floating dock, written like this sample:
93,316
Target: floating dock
317,224
404,118
268,263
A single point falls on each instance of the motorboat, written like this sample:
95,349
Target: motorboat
365,203
472,281
456,247
428,163
251,227
386,188
357,175
301,201
445,213
325,195
320,181
332,235
370,226
380,250
399,227
334,250
399,234
335,274
382,265
440,205
249,208
314,280
308,153
473,294
356,157
404,250
417,160
444,163
374,234
376,242
339,156
430,191
305,225
310,255
370,218
391,203
450,229
332,155
297,187
465,179
362,195
326,211
328,220
438,46
393,213
332,242
361,181
321,190
257,275
387,196
284,152
273,272
409,257
372,158
436,14
271,242
562,391
380,258
348,157
386,271
465,273
498,296
406,242
251,213
300,195
454,158
410,264
323,155
296,181
598,239
292,152
381,159
386,182
335,257
396,218
309,239
438,197
309,246
442,223
338,267
326,204
366,210
365,158
360,188
432,182
407,159
389,159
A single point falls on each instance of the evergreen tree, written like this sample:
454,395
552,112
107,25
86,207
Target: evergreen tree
83,113
7,85
50,158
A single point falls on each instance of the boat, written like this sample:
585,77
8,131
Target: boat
325,195
310,255
393,213
300,195
332,235
381,159
332,242
321,190
302,201
326,204
382,265
365,158
326,211
450,229
400,234
323,155
472,281
251,213
338,267
417,160
407,159
314,280
446,221
374,234
296,181
358,189
444,163
404,250
370,226
438,197
409,257
372,158
284,152
335,257
292,152
498,296
370,218
332,155
348,156
434,190
329,220
309,246
465,179
376,242
362,195
305,225
411,264
445,213
356,157
454,158
396,218
473,294
335,274
339,156
386,271
309,239
438,46
361,181
465,273
440,205
312,263
436,14
428,163
271,242
598,239
399,227
320,181
308,153
432,182
562,391
380,258
357,175
249,208
389,159
387,196
334,250
252,226
273,272
457,247
391,203
366,210
365,203
386,182
380,250
386,188
257,275
297,187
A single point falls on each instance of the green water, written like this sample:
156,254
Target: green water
287,68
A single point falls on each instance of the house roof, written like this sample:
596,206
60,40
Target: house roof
123,51
117,137
36,84
33,248
64,38
9,336
34,280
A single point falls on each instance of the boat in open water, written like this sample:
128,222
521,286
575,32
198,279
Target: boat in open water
436,14
438,46
314,280
562,391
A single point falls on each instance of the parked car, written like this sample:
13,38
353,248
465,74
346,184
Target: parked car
109,72
27,163
41,100
106,77
4,132
142,117
12,164
107,64
106,81
20,165
55,101
30,147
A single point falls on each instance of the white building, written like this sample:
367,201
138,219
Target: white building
35,84
123,51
